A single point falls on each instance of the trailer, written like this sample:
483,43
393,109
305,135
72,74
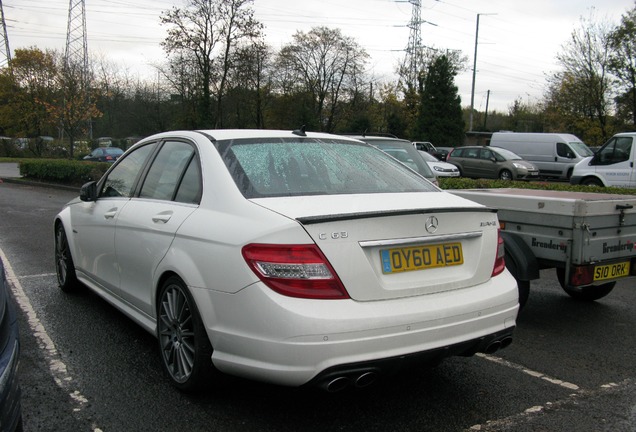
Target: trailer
589,238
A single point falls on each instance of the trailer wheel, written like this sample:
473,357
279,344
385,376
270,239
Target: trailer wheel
589,293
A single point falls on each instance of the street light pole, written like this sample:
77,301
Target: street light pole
472,92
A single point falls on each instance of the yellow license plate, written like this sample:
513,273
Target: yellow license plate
611,271
412,258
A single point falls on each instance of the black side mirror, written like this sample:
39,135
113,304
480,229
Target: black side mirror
88,191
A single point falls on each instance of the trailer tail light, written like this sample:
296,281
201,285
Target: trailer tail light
500,262
295,270
581,275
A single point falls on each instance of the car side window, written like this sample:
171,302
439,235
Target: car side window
472,153
121,180
615,151
485,154
167,170
190,187
563,150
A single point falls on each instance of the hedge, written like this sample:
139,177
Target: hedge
467,183
70,172
75,173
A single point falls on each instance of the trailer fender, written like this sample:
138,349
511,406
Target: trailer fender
520,260
521,263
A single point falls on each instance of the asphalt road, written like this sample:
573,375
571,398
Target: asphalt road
86,367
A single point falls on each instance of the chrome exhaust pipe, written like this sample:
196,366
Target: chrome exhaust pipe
338,384
366,379
493,347
506,341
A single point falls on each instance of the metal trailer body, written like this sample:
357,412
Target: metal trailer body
590,238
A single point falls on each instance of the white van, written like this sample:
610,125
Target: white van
612,165
555,154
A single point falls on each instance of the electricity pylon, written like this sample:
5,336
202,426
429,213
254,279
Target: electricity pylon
414,59
76,53
5,52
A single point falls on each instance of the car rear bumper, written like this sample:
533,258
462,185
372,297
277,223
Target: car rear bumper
296,341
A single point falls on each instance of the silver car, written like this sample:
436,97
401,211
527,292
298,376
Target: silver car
491,162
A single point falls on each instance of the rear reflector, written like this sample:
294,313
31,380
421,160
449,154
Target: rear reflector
295,270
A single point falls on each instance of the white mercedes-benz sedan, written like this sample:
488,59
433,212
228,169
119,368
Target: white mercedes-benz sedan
288,257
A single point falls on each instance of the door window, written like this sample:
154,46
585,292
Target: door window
175,168
121,180
616,150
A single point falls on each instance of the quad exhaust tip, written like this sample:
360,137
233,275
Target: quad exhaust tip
361,380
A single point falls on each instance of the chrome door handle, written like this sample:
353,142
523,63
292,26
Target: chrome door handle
110,214
162,217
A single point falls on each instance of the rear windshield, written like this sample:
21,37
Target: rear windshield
309,166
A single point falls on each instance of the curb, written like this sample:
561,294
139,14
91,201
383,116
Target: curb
14,180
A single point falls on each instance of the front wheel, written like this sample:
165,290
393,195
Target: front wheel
505,175
592,181
589,293
186,352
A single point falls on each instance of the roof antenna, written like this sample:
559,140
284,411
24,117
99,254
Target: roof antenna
301,131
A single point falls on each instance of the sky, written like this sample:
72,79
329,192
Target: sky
518,40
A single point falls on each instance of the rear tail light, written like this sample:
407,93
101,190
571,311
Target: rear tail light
581,275
500,262
295,270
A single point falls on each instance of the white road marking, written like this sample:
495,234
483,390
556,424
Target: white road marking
57,367
532,373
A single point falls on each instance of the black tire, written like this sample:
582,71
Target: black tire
589,293
522,286
64,267
505,175
592,181
186,351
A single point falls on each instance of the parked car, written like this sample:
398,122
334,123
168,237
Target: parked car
491,162
428,147
104,154
442,153
10,394
403,151
441,169
289,257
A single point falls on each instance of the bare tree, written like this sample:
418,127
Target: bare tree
206,31
325,64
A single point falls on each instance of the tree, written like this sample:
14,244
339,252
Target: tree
582,89
74,109
622,63
327,66
441,120
29,84
251,84
206,32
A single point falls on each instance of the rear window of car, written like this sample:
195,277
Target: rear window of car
308,166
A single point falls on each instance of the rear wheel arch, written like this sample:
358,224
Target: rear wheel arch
184,346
